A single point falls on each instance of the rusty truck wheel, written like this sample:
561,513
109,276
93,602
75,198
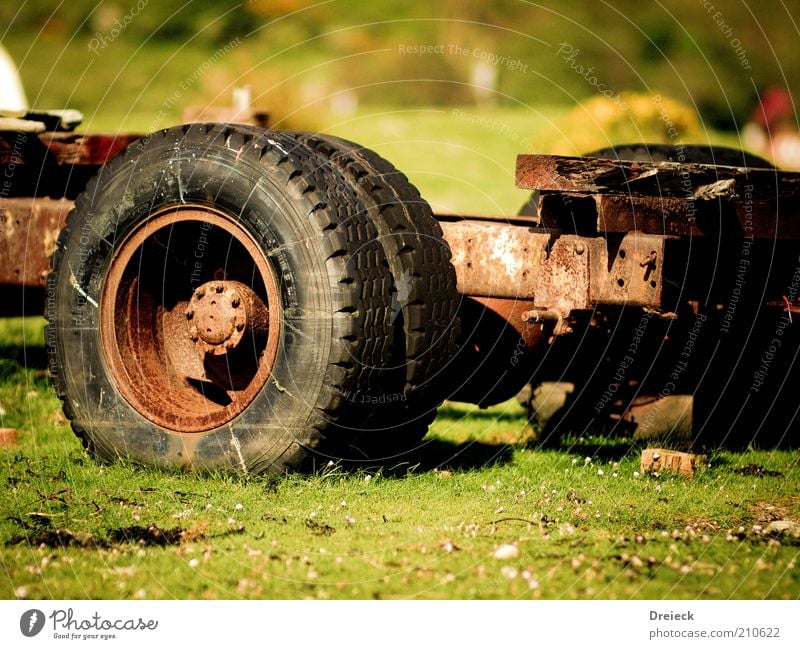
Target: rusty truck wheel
215,297
424,297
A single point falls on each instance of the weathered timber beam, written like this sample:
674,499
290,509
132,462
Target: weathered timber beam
61,148
688,181
727,218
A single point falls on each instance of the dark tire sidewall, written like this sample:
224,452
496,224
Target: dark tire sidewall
278,420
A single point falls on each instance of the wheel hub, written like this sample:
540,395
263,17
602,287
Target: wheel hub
190,318
221,312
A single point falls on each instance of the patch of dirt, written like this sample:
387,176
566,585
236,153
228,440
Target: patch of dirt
757,471
152,536
320,529
764,512
57,538
703,524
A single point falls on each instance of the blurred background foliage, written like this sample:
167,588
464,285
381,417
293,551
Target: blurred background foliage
519,67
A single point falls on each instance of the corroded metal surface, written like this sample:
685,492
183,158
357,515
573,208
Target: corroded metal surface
148,337
559,272
505,261
628,273
511,312
221,312
28,233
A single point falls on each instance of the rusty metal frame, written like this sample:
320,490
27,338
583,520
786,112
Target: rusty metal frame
558,272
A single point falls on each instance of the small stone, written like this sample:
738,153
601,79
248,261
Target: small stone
8,437
448,546
506,551
509,572
779,528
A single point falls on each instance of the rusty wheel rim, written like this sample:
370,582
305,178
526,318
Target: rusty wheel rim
190,318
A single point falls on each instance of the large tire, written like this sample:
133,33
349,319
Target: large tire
275,226
425,301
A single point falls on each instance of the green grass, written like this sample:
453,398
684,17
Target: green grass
462,159
427,530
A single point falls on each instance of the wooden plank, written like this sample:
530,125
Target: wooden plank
53,148
726,218
655,460
688,181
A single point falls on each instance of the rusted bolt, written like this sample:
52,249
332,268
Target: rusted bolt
539,315
650,260
579,248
